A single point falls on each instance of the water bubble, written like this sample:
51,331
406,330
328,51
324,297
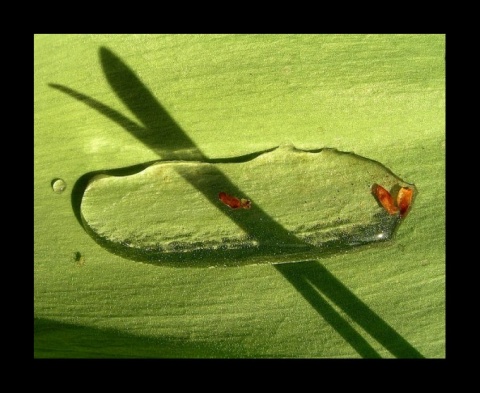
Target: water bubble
58,185
304,205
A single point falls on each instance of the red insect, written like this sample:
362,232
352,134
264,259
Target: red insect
393,206
234,202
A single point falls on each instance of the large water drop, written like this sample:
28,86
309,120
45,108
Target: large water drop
304,204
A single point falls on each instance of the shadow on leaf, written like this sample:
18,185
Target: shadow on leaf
160,133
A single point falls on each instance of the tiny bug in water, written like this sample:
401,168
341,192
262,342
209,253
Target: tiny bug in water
393,206
234,202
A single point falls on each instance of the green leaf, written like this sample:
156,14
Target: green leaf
101,102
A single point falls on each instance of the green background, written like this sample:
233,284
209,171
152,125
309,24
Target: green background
379,96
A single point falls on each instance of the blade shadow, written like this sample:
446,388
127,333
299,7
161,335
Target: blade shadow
160,133
316,283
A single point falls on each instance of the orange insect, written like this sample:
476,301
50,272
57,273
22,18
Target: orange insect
234,202
393,206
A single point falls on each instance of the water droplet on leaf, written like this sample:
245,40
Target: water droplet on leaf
303,204
58,185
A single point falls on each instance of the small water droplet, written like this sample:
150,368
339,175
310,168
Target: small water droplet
58,185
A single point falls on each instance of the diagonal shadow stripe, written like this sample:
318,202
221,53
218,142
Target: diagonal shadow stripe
163,135
168,135
312,276
313,294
